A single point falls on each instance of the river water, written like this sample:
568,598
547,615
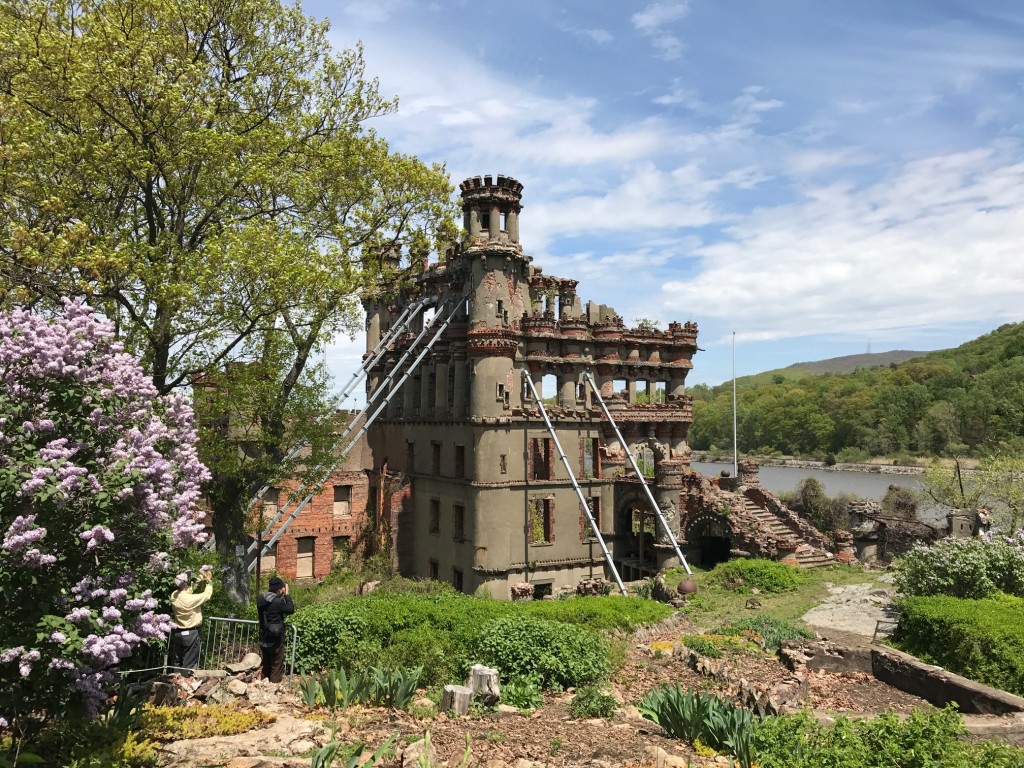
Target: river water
868,485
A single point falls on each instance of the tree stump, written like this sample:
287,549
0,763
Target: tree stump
456,698
483,681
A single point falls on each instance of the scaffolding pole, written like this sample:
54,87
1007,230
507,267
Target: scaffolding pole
643,480
323,475
297,493
579,491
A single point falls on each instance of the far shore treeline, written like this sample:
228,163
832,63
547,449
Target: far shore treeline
956,402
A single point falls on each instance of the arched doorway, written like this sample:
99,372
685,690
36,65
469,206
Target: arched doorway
711,535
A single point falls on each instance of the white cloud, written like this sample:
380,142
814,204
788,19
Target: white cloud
652,22
934,243
657,15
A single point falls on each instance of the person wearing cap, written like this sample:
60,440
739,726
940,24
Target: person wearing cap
272,606
186,605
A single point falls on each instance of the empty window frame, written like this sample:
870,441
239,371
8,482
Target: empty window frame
542,513
459,522
343,501
586,532
460,461
434,521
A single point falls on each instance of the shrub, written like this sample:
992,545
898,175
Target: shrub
556,654
522,693
694,716
99,479
589,701
605,613
767,631
743,575
327,635
702,645
980,639
971,568
926,739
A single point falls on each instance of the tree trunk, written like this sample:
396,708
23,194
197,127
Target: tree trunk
456,698
483,681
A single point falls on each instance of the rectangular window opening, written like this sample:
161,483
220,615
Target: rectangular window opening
342,501
459,522
435,516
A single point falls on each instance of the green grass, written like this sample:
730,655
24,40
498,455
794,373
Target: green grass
714,605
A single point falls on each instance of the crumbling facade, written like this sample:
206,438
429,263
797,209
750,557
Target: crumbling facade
477,494
326,532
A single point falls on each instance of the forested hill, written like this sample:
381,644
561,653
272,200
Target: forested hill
964,400
850,363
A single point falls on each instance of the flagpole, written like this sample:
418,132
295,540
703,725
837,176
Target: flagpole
735,452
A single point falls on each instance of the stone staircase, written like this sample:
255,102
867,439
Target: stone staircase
806,555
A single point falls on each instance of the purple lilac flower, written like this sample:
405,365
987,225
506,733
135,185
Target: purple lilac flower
95,536
6,657
58,637
22,532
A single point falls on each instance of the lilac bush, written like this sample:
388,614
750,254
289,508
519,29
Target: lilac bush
99,484
971,568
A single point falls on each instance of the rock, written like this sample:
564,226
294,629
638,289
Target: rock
368,587
597,722
205,688
206,674
659,758
417,751
248,663
237,687
631,713
302,746
507,709
261,696
220,695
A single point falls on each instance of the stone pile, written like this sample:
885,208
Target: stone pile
237,682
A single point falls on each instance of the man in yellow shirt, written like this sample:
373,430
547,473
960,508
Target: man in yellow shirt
186,604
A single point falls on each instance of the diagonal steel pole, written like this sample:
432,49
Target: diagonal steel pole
579,491
639,474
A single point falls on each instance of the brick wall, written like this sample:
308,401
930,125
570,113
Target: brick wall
319,522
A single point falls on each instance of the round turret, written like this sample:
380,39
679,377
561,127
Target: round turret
491,206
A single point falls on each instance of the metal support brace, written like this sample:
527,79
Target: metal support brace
579,491
643,481
374,396
324,474
407,316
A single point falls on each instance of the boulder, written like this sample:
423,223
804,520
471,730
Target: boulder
237,687
248,663
419,753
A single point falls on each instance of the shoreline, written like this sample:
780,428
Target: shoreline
878,469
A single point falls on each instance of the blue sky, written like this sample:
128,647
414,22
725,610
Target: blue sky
816,176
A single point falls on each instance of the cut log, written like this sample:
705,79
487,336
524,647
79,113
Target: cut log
456,698
483,681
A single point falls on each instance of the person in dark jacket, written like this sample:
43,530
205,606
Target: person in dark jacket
272,606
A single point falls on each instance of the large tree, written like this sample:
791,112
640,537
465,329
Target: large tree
202,171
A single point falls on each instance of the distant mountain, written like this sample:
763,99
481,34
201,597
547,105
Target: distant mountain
850,363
